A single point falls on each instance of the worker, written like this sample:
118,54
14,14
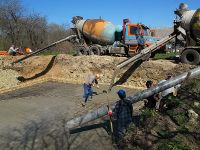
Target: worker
165,94
12,50
141,41
27,50
90,81
122,115
150,101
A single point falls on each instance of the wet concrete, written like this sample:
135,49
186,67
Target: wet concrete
52,99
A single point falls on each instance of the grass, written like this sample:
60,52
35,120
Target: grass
147,113
55,53
164,55
1,47
165,133
173,145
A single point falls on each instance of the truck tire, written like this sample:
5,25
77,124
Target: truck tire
81,50
190,56
94,50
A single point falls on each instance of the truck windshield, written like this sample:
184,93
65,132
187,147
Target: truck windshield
134,30
145,31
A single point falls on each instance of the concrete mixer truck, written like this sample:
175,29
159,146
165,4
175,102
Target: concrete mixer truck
188,25
97,36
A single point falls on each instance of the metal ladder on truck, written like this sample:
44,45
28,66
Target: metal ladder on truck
140,56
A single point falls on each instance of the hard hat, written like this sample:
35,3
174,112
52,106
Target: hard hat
121,93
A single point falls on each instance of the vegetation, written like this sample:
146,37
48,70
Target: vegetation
147,113
173,145
57,52
164,55
24,29
171,129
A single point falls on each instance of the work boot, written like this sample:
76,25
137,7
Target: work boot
83,104
90,99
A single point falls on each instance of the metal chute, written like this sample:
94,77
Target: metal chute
140,56
45,48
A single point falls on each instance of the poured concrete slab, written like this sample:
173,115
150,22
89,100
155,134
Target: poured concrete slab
52,99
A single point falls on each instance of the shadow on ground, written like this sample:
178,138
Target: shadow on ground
47,69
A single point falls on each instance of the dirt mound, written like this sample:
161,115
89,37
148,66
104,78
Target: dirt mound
74,69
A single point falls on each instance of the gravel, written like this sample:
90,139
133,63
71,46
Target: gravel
8,78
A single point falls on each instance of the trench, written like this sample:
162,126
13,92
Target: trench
53,100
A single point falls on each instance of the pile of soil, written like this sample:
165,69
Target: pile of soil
76,68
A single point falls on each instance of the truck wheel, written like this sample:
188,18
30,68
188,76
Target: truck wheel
81,51
94,50
190,56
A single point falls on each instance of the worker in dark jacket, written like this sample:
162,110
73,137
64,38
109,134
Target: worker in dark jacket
141,41
90,81
151,101
122,114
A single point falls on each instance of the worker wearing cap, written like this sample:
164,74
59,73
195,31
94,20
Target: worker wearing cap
141,41
122,115
90,80
150,102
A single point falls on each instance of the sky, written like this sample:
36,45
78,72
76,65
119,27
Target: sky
153,13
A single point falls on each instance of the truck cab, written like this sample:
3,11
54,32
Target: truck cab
131,32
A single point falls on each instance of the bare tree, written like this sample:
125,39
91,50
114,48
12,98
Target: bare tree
35,28
19,28
10,15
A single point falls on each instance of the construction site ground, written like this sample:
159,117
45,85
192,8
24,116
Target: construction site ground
51,100
52,86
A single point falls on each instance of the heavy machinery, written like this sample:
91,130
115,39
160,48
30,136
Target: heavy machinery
100,37
188,25
97,36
